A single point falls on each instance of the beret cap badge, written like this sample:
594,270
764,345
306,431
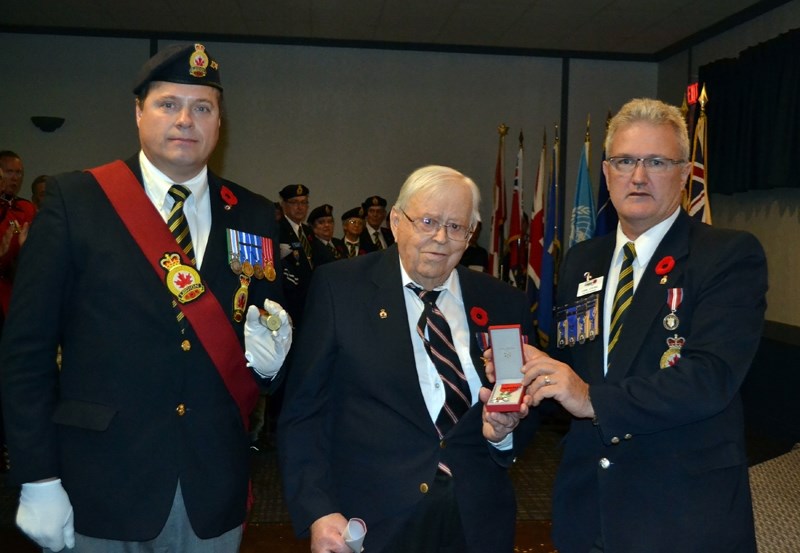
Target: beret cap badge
198,61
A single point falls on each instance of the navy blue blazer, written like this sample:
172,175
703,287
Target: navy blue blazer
663,467
355,435
109,423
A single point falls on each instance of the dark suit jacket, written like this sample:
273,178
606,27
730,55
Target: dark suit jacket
299,269
355,436
107,424
323,254
366,239
677,478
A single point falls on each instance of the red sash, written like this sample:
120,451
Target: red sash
204,314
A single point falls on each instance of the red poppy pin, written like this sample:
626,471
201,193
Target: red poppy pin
664,267
228,197
479,316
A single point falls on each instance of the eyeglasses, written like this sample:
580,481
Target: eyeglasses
655,165
430,227
354,222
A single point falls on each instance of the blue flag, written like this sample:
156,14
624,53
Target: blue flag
583,215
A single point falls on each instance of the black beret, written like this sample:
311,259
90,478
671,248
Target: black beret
373,201
325,210
293,190
182,64
356,212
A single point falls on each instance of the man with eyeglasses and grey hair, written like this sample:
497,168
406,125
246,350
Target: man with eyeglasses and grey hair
655,456
395,439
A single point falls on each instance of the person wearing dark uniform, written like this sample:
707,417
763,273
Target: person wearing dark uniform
295,246
375,236
352,226
157,278
324,246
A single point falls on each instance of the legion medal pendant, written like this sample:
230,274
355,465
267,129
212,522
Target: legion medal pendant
240,298
673,353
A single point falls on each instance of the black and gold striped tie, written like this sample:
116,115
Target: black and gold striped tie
623,297
177,223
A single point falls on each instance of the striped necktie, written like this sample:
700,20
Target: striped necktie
352,249
305,244
177,223
623,297
442,352
376,238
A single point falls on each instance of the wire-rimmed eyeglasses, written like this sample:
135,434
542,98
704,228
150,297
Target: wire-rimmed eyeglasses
627,165
429,227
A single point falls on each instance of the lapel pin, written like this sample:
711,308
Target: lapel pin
383,314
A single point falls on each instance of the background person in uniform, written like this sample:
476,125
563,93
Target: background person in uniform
475,256
142,431
38,187
352,226
295,248
374,437
324,246
375,236
655,457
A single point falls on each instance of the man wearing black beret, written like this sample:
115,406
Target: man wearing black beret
375,236
161,283
295,246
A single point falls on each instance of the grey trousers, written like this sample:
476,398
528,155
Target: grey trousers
177,536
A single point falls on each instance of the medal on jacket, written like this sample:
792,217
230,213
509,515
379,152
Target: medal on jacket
577,322
182,280
249,256
673,353
674,299
240,298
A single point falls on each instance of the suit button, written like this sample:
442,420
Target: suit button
615,440
186,345
423,487
180,409
442,444
604,463
628,436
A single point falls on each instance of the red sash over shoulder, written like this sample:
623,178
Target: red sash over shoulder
205,314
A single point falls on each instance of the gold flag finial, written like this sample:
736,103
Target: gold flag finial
588,125
502,130
703,98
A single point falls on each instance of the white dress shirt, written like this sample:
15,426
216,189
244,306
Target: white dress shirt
196,208
646,245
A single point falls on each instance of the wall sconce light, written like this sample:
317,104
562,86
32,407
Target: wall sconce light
47,124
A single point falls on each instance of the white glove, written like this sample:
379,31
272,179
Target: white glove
45,515
266,348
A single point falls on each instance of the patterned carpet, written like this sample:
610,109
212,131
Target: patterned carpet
776,503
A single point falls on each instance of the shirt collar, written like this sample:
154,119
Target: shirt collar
452,285
157,184
647,242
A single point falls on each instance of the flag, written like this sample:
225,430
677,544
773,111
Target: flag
499,214
550,255
536,233
515,254
583,214
606,212
697,201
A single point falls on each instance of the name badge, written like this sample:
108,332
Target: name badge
590,286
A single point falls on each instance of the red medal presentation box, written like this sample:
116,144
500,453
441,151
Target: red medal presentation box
506,343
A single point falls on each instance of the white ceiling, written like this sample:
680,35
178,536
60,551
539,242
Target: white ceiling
645,28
